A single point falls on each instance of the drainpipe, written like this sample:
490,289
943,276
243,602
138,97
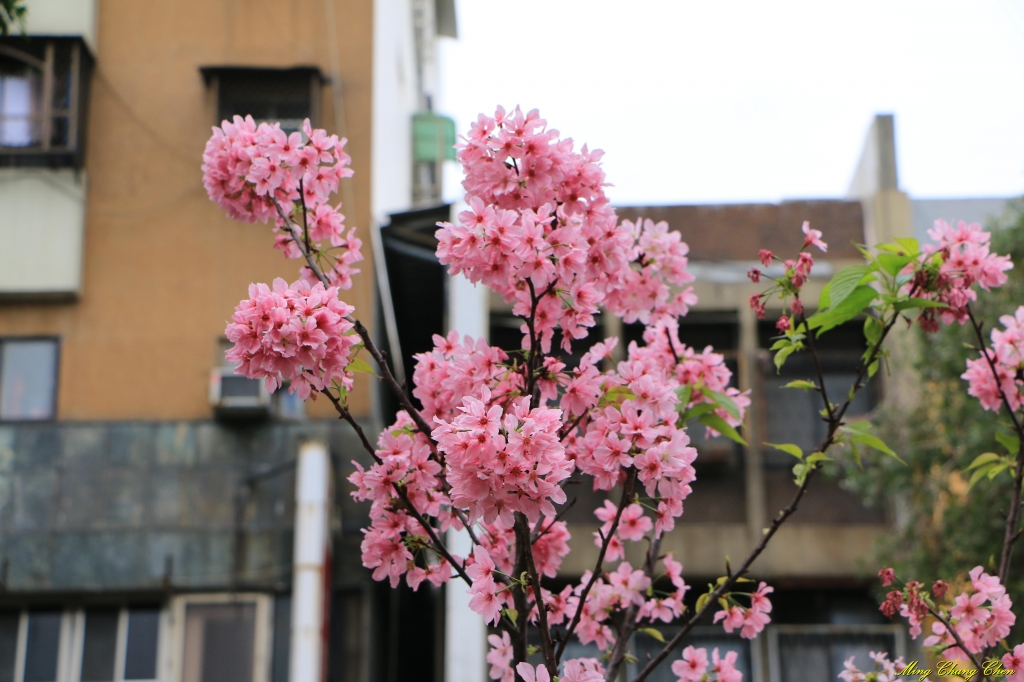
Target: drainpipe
311,573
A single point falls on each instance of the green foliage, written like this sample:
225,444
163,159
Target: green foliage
12,13
947,513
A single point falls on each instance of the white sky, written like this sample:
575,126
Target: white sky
747,100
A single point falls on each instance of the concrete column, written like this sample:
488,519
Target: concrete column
748,379
311,579
465,633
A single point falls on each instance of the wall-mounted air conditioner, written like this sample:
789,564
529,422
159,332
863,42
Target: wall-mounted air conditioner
236,397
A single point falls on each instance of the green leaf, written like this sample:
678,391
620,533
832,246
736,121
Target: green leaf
655,633
856,454
512,615
702,600
781,343
800,472
893,263
872,330
816,457
876,443
997,469
852,306
844,282
616,395
532,649
917,303
979,473
684,393
788,448
698,411
720,425
861,425
910,244
826,297
1011,443
984,458
872,369
360,365
783,353
726,403
801,383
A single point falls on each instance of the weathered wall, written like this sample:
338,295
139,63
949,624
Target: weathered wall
90,506
163,268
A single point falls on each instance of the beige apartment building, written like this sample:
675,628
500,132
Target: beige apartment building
147,496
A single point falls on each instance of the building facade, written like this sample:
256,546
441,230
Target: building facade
148,498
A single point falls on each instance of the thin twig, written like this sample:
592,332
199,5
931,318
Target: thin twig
627,495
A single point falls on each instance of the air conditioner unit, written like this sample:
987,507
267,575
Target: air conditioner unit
236,397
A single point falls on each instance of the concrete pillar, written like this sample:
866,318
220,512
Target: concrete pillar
465,635
311,576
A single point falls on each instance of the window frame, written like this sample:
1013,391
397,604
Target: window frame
4,340
79,73
70,648
263,634
772,633
214,75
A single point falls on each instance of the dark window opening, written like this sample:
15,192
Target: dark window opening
285,96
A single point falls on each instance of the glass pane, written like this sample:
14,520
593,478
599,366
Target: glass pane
42,646
27,379
219,642
8,644
19,106
100,645
814,656
140,650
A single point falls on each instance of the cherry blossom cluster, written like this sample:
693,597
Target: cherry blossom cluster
981,614
794,277
884,671
502,461
694,666
540,232
617,590
253,170
749,621
949,269
576,670
1007,356
452,371
296,333
405,462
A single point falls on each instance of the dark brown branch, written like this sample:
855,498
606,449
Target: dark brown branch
1010,532
522,529
627,495
343,413
364,334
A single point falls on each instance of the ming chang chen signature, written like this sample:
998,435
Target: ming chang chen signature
951,669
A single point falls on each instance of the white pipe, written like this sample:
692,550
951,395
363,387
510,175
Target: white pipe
311,580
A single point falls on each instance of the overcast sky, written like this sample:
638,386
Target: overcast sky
730,101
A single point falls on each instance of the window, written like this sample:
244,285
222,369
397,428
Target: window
91,645
709,637
28,379
817,652
285,96
790,415
43,92
223,638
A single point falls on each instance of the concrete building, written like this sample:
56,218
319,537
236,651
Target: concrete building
148,499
